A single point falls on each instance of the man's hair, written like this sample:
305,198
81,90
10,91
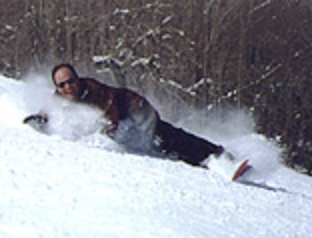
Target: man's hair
64,65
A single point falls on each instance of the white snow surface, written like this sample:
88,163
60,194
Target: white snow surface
83,185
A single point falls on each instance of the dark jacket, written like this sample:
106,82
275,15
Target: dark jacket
117,103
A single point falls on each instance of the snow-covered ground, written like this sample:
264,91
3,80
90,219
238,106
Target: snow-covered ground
82,185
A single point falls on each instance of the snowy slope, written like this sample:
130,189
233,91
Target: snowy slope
88,187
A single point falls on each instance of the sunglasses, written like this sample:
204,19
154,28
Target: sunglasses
68,81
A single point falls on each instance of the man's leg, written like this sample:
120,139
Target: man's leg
177,143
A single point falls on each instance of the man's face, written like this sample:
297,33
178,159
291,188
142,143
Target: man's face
66,84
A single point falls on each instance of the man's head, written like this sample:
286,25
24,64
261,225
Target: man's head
67,81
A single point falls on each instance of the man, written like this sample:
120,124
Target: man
134,122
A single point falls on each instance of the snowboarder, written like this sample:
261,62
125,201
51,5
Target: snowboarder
134,122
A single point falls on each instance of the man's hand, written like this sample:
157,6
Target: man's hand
109,130
36,121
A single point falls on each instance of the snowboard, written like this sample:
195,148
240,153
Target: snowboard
228,166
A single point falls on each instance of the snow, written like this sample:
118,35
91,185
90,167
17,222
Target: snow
84,185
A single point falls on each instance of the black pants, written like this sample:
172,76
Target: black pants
181,145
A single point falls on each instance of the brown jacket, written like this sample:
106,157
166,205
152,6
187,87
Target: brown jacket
116,103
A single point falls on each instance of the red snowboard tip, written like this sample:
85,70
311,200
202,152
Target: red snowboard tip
241,170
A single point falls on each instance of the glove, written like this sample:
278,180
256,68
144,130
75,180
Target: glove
36,121
109,130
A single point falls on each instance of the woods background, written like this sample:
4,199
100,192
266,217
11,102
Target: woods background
254,54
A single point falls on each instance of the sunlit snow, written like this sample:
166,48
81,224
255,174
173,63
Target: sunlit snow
77,183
